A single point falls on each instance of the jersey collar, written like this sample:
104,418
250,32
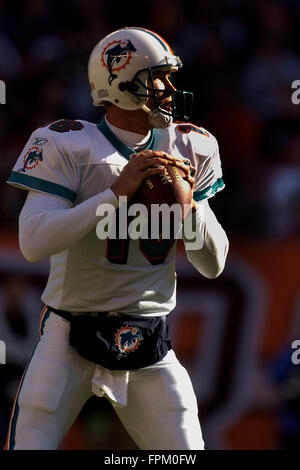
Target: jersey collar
122,148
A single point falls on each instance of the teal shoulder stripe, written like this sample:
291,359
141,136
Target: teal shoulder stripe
119,146
41,185
210,191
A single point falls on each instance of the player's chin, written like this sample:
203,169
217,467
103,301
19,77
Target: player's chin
167,106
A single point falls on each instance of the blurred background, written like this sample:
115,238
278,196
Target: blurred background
233,334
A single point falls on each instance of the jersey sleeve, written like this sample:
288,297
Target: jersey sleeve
47,165
209,178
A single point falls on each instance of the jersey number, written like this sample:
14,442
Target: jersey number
155,250
66,125
187,128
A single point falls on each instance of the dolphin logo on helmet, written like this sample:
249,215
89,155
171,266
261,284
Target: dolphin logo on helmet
114,53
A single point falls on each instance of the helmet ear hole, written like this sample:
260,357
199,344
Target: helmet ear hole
128,86
122,86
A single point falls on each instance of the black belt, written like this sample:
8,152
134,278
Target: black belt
69,316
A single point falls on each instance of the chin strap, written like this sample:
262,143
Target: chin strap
157,119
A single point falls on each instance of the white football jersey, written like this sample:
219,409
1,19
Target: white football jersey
76,160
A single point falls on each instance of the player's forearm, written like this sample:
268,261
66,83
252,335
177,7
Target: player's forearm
210,258
47,224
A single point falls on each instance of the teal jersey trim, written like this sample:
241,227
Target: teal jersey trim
42,185
122,148
210,191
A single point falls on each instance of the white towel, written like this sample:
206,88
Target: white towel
112,383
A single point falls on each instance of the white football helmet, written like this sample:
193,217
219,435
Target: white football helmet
122,63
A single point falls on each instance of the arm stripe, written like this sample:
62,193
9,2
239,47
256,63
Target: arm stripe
41,185
210,191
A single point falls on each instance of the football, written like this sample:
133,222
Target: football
168,188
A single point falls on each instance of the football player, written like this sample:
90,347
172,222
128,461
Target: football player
103,329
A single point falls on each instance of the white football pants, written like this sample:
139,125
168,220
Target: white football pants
161,411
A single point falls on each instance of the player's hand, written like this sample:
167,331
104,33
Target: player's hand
141,165
190,172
